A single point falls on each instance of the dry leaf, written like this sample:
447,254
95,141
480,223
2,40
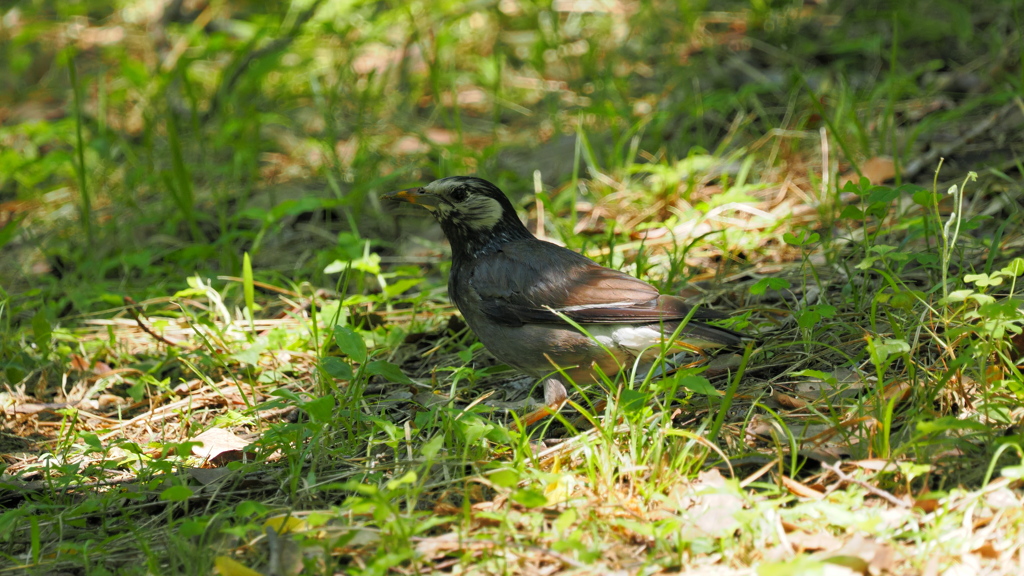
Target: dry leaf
286,524
877,170
987,550
874,464
79,363
804,542
447,543
560,489
441,136
206,476
900,390
801,490
217,442
927,504
789,402
407,145
968,565
228,567
1002,497
709,505
761,426
865,555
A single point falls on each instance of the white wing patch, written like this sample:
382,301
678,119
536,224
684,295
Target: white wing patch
638,339
624,303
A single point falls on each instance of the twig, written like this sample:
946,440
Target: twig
844,477
133,309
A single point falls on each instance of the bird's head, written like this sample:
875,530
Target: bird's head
474,214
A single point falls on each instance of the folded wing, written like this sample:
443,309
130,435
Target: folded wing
532,281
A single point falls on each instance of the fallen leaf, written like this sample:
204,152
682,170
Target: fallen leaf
107,401
787,401
407,145
441,136
709,506
874,464
217,442
987,550
446,543
801,490
804,542
446,509
560,489
927,504
1001,498
761,426
228,567
79,363
206,476
877,170
967,565
286,524
865,555
899,390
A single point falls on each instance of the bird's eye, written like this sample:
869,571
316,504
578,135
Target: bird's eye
459,194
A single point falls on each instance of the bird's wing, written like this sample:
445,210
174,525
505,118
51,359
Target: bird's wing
528,281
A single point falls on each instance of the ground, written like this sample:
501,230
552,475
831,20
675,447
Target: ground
220,352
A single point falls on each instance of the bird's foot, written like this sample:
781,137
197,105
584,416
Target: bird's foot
554,397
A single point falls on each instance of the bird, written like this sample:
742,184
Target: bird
546,310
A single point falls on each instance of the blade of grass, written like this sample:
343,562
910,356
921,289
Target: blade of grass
85,208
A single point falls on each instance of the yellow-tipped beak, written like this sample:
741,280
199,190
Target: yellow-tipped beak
417,196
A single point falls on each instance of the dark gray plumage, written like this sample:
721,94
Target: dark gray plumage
511,288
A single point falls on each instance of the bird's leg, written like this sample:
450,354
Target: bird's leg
672,361
696,350
554,397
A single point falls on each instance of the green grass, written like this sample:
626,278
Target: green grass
191,241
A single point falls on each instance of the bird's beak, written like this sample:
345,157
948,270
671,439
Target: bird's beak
417,196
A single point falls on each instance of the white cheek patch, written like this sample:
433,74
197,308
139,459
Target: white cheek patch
480,212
